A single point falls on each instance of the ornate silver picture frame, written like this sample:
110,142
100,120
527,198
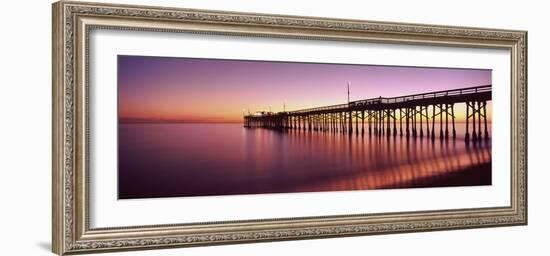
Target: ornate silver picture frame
74,21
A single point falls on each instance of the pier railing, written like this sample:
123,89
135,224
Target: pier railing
428,95
468,91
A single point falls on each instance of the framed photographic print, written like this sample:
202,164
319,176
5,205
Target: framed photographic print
179,127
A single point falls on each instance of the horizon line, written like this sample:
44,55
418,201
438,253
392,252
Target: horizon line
136,121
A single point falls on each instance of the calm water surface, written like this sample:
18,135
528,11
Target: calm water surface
168,160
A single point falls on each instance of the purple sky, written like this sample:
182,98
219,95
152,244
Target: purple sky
212,90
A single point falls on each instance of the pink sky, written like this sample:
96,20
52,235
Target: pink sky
211,90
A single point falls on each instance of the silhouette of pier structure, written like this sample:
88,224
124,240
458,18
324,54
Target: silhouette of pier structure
411,116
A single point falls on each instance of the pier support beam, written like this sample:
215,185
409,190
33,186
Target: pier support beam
485,120
369,113
356,123
440,121
394,123
400,122
350,127
433,122
467,135
363,122
479,137
446,121
388,122
407,112
427,122
474,133
413,120
453,116
420,123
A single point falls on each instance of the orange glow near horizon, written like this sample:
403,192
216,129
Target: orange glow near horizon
172,115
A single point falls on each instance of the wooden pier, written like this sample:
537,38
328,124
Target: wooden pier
411,116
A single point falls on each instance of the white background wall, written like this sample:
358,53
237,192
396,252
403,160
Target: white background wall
25,116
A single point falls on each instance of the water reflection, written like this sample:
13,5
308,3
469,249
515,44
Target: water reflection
160,160
371,162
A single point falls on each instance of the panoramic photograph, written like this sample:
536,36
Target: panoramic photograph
217,127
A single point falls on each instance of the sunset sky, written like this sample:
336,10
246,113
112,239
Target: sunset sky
209,90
